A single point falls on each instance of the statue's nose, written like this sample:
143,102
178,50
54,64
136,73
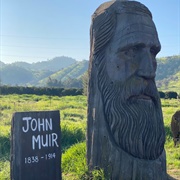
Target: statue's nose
146,68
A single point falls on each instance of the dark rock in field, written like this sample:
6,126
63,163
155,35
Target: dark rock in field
175,127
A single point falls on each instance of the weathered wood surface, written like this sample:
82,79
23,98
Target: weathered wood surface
125,133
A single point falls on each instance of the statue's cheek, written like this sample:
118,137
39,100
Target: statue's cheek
120,70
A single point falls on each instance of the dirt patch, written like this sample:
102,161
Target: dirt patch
174,174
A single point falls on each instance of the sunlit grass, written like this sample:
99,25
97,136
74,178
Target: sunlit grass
73,112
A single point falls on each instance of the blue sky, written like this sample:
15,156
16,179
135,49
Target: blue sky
38,30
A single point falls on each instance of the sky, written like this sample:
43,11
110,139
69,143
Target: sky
39,30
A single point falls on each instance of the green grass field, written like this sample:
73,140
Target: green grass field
73,112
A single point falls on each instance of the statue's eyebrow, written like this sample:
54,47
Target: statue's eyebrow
130,45
139,45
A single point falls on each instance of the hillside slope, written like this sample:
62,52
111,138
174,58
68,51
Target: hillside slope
14,75
74,71
23,73
64,68
171,83
2,64
167,67
54,64
168,74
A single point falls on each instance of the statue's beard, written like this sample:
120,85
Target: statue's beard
134,117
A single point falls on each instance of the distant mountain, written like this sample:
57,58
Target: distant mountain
24,65
67,69
2,64
168,74
38,75
172,83
14,75
54,64
74,71
167,67
23,73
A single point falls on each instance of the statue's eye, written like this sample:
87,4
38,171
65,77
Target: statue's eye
134,48
126,52
130,50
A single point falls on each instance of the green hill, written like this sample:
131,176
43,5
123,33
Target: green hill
167,67
14,75
74,71
2,64
168,74
65,68
54,64
22,64
23,73
172,83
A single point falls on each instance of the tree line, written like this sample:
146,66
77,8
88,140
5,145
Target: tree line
169,95
55,91
68,83
50,91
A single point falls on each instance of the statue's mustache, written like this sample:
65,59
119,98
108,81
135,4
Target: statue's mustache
138,88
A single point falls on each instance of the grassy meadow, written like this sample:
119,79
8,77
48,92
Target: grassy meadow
73,112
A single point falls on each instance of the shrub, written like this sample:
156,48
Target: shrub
4,147
171,95
161,94
74,164
71,133
40,91
74,161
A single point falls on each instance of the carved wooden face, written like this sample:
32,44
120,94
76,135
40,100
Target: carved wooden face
132,106
133,49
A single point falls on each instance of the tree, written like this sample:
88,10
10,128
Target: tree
53,82
171,95
72,83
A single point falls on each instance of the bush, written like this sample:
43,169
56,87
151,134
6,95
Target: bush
171,95
4,147
5,90
161,94
71,133
74,161
74,164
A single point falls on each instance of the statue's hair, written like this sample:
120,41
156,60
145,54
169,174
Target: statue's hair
104,21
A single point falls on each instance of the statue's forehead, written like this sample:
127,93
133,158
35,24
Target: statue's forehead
127,23
138,38
135,29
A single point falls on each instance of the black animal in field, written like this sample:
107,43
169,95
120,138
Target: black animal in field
175,127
